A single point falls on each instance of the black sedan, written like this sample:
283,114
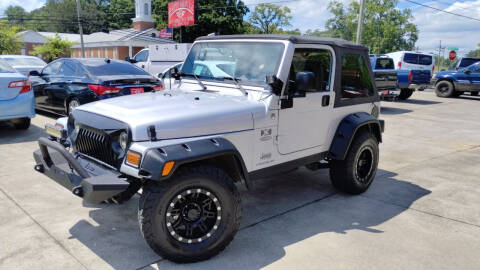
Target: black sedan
69,82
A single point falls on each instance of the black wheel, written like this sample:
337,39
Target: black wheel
72,104
23,123
405,93
474,93
355,174
192,216
444,89
127,194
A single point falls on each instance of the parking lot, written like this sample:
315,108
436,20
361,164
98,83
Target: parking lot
422,210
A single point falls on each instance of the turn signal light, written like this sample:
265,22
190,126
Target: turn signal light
167,168
133,159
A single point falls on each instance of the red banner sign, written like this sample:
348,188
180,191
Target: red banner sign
181,12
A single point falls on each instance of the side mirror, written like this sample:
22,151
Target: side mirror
467,71
34,73
131,60
304,81
160,75
275,83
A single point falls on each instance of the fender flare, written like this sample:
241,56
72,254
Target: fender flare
212,150
348,128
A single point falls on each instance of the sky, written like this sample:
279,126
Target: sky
433,25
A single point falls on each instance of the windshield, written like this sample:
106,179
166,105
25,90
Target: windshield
5,68
24,61
247,61
384,63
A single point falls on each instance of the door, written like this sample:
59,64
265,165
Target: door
42,84
306,123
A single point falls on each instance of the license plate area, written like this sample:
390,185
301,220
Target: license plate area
137,90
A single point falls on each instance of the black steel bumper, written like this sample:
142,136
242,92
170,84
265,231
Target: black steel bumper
85,178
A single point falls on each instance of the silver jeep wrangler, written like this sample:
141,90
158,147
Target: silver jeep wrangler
240,108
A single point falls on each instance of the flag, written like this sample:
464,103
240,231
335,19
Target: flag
165,33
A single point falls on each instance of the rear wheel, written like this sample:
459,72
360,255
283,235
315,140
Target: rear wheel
23,123
191,217
444,89
405,93
72,104
355,173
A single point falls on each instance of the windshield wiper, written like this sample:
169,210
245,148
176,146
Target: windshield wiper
196,78
236,81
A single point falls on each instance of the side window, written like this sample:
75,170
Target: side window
356,81
142,56
52,68
317,61
475,69
69,69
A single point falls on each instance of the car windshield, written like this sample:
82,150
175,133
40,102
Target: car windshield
100,67
249,62
384,63
24,61
5,68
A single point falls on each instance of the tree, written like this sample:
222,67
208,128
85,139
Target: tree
16,15
221,16
121,12
54,48
10,43
385,28
316,33
270,17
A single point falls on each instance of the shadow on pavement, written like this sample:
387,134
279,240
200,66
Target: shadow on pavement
420,102
280,212
9,134
393,111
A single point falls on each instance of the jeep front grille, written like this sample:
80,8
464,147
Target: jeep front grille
96,145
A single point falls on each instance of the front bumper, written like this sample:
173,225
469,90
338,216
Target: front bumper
83,177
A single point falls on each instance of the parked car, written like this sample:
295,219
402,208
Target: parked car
166,76
67,83
453,83
156,58
189,148
466,61
397,83
16,97
24,63
412,61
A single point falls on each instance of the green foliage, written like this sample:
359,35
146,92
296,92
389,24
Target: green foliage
10,43
316,33
385,28
474,53
54,48
226,20
121,13
269,18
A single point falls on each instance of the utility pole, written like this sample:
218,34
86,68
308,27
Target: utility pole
80,28
360,21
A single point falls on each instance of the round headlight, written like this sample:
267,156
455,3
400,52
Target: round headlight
123,140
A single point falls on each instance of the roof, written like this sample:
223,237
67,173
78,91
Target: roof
17,56
65,36
125,35
292,38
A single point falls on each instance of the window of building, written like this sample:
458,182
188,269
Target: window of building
114,52
145,8
317,61
356,81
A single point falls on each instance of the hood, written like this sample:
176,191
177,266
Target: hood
447,72
180,114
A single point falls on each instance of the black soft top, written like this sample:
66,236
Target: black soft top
294,39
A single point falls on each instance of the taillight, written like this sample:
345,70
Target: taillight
25,85
103,89
410,76
158,87
399,64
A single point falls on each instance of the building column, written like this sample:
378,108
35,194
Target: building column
130,51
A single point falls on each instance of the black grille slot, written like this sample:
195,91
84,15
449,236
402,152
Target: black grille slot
96,145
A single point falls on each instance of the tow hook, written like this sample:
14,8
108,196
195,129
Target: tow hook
78,191
39,168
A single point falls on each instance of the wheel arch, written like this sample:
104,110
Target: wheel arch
349,127
218,152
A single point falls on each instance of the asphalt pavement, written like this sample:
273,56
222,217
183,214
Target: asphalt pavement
421,212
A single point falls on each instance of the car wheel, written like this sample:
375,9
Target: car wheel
72,104
405,94
474,93
23,123
355,173
191,217
444,89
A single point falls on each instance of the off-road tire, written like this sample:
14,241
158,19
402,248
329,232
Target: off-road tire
405,93
158,196
23,124
344,174
474,93
444,89
127,194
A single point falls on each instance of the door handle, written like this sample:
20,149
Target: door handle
325,101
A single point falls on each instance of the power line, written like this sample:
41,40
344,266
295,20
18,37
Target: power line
441,10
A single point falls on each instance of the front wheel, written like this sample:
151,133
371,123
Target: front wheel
405,93
355,173
444,89
192,216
